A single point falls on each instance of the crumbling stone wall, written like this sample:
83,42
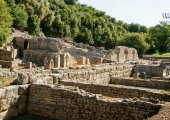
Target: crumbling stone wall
125,53
146,83
119,91
35,49
100,74
150,70
13,101
74,104
7,57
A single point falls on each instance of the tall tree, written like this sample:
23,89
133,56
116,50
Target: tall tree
135,40
5,22
160,36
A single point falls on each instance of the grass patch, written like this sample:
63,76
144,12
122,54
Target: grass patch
6,81
161,55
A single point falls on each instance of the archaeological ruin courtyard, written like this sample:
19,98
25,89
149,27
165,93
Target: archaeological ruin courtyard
45,78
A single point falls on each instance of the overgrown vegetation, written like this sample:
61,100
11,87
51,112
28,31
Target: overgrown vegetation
5,22
161,55
60,18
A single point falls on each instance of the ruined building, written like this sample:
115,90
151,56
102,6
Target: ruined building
59,80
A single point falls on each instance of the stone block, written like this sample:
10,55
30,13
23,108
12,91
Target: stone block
2,93
22,79
11,90
81,60
23,89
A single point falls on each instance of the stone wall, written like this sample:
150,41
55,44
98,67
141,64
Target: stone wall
149,57
100,74
155,84
150,70
37,56
69,103
118,91
13,100
6,55
9,64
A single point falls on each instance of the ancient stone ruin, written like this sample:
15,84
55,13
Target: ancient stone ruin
49,78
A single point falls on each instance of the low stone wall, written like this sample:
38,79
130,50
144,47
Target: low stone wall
163,59
37,56
68,103
155,84
8,64
118,91
13,101
150,70
6,55
100,74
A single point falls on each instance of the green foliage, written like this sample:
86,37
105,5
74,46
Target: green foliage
160,37
68,18
135,40
5,22
161,55
72,2
20,17
33,25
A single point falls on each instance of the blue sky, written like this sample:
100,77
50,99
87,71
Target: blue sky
144,12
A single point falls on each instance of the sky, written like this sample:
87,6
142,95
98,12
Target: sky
144,12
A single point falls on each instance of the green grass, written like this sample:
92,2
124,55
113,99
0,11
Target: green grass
161,55
6,81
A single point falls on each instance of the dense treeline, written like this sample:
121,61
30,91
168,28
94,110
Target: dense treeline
59,18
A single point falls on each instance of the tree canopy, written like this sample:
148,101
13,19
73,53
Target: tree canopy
68,18
5,22
135,40
160,37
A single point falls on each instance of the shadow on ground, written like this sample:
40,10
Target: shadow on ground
30,117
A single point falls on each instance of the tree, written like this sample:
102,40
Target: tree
20,17
72,2
160,36
34,25
135,40
5,22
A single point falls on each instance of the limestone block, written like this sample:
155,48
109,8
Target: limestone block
45,81
23,89
81,60
63,60
3,115
56,78
22,78
57,62
13,100
4,105
32,78
2,93
11,90
29,65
